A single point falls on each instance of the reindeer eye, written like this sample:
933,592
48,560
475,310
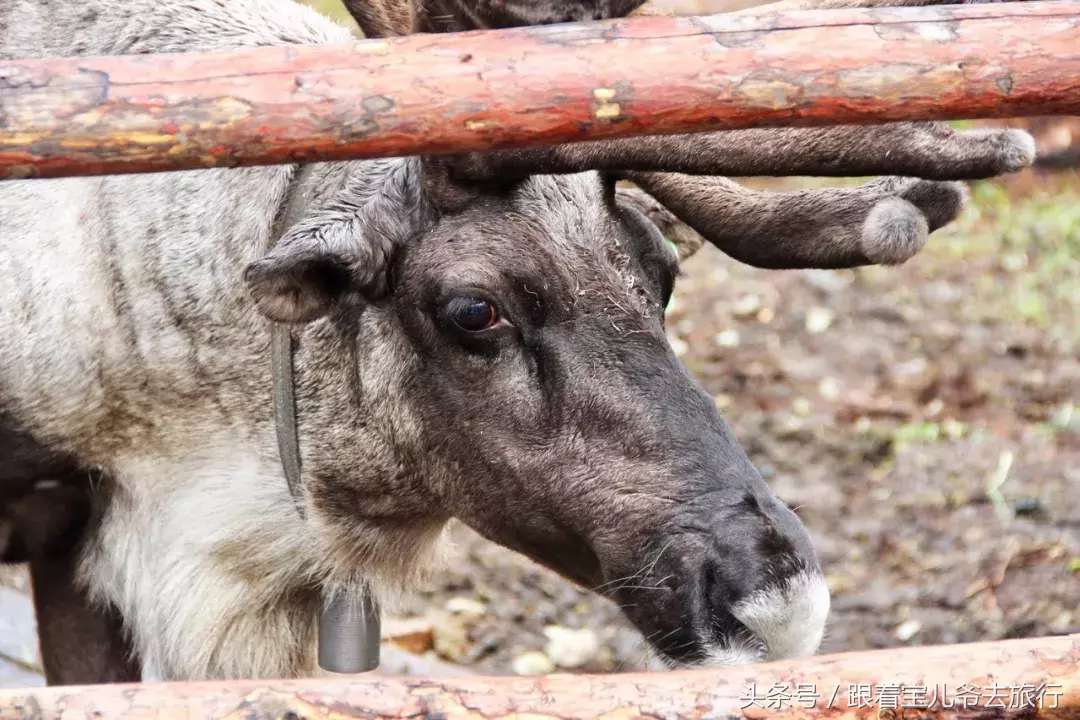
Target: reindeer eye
472,314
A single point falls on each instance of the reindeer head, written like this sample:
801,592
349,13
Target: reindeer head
496,351
486,340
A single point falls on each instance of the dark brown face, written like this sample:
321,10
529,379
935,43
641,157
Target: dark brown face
556,420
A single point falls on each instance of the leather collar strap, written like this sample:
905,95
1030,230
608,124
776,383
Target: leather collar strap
281,352
348,626
288,437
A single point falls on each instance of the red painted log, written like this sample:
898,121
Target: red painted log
536,86
1038,678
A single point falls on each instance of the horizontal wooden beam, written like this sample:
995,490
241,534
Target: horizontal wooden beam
439,94
1036,678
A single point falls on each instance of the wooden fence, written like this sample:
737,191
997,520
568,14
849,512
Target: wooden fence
536,86
980,681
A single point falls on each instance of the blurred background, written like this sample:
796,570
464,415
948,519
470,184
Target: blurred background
924,421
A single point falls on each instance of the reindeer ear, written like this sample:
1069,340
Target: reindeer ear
340,250
316,265
684,239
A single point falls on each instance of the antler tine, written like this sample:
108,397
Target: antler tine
933,151
885,221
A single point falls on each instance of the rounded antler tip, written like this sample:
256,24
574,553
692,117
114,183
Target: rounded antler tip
1019,150
894,230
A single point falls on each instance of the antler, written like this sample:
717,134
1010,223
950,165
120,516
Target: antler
933,151
884,222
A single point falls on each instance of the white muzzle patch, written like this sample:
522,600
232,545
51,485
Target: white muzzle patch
788,619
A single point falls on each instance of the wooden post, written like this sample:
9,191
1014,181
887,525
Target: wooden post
440,94
1037,678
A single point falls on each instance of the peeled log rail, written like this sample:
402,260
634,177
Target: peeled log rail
441,94
1037,678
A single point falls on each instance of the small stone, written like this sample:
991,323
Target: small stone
788,426
828,388
1027,507
466,607
911,368
533,663
801,406
728,338
570,648
934,408
819,319
746,306
766,315
881,494
907,630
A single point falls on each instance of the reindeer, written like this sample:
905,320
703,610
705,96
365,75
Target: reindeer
479,337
